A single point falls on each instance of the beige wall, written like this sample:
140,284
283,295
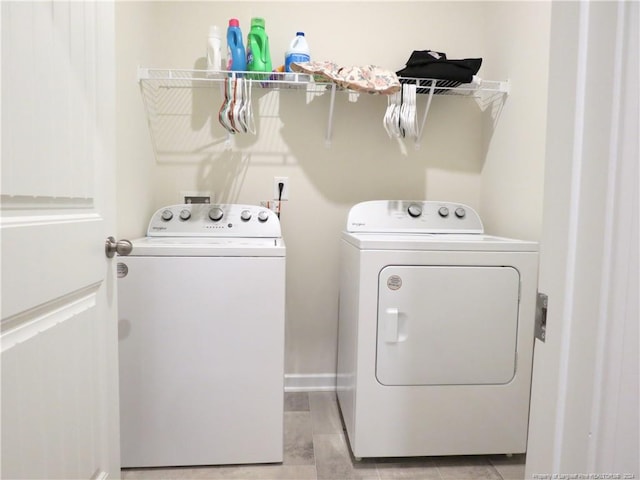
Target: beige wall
461,157
517,37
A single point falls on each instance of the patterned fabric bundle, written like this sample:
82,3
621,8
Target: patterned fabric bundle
367,78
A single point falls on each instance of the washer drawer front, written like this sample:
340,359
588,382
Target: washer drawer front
447,325
201,360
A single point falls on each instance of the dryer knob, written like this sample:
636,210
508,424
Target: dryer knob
460,212
167,215
185,214
263,216
443,212
245,215
216,214
414,210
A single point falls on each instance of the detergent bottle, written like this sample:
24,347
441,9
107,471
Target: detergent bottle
258,56
298,51
236,58
214,50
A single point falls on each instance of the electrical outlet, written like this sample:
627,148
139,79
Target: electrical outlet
192,196
285,188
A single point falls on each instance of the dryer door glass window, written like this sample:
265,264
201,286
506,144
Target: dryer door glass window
447,325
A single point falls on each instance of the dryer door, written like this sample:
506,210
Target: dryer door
447,325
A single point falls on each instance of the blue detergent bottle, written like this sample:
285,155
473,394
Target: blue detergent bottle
236,56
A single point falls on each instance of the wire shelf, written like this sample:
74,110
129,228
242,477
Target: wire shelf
485,92
173,78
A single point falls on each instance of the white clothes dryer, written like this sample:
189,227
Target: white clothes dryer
436,332
201,338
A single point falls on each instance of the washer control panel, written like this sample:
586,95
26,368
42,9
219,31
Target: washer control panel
406,216
214,220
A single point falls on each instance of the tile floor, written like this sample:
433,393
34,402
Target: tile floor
315,448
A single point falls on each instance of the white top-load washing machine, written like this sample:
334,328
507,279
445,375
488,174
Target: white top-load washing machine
436,332
201,327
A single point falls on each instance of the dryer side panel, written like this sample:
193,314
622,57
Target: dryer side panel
349,312
447,325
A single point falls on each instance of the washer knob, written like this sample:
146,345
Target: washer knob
443,212
414,210
263,216
167,215
216,214
245,215
185,214
460,212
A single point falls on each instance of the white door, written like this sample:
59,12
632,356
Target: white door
584,408
59,329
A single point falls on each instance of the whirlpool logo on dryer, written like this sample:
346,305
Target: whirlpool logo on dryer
394,282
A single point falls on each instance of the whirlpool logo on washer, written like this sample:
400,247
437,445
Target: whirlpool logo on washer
394,282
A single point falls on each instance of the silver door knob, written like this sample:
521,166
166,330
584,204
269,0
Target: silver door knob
121,247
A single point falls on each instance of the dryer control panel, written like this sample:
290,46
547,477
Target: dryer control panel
214,220
407,216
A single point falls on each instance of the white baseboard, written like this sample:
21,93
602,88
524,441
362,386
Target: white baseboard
311,382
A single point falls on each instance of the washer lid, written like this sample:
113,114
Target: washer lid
429,241
208,247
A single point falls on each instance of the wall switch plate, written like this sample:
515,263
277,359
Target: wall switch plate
276,188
